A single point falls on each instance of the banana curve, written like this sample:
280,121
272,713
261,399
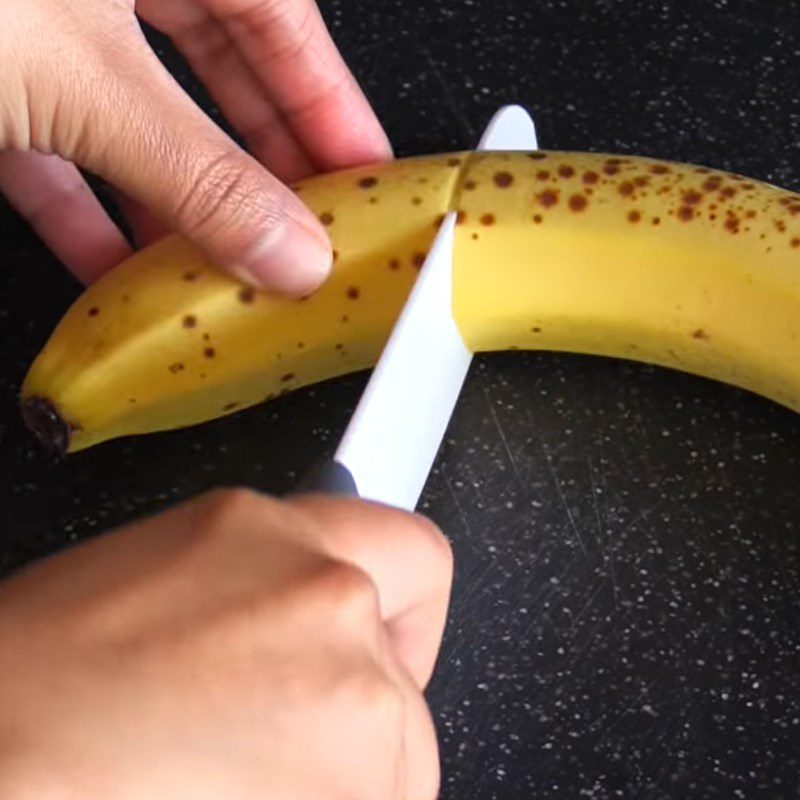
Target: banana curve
672,264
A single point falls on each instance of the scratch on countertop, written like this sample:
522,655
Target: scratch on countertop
562,497
502,434
449,95
459,508
592,597
603,533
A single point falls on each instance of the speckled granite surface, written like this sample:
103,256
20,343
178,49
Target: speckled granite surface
625,619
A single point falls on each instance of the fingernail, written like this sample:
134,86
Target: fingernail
294,262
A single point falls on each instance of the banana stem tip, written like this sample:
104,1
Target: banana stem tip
46,423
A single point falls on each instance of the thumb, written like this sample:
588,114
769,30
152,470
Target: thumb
149,139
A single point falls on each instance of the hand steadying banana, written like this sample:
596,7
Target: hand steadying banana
666,263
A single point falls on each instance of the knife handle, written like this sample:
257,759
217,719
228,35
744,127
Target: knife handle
329,477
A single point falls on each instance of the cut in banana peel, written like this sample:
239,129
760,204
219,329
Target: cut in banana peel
665,263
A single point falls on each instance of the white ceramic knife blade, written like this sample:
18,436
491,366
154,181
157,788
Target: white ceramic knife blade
397,428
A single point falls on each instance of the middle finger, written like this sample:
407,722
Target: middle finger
217,63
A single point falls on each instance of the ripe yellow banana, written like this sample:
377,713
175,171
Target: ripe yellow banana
665,263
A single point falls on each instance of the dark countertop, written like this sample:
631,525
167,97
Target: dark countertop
626,613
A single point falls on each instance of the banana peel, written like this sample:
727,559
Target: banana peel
632,257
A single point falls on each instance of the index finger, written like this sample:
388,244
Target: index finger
288,47
408,559
53,197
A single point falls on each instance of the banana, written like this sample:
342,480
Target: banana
671,264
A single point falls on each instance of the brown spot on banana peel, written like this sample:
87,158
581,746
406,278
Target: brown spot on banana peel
732,223
626,188
578,202
548,198
692,197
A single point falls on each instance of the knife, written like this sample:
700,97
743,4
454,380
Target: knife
394,435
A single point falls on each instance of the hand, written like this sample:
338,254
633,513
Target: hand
81,82
235,647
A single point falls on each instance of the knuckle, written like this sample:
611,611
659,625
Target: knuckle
349,596
290,17
221,507
226,195
381,702
373,701
300,30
